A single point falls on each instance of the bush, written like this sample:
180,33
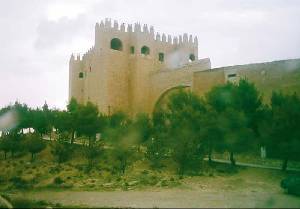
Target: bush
34,144
26,203
58,180
291,184
62,150
20,183
54,169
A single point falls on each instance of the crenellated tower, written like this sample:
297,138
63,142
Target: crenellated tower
116,73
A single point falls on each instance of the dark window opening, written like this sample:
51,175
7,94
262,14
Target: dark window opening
145,50
116,44
161,57
132,50
192,57
81,75
231,75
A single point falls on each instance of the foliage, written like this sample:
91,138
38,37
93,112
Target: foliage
93,152
34,144
89,121
62,150
183,114
284,140
155,152
212,133
230,117
291,184
11,142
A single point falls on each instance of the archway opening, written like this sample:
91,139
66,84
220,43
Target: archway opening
192,58
116,44
162,101
145,50
161,57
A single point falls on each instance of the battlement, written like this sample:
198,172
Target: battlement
139,29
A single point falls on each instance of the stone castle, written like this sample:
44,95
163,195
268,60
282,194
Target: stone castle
130,69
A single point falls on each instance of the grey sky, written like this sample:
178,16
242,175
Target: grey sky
37,37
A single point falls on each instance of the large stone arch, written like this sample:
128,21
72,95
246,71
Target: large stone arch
164,82
160,102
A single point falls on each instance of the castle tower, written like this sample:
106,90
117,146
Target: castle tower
115,73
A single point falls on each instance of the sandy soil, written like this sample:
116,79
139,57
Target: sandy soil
251,187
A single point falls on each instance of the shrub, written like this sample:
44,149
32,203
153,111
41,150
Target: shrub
58,180
291,184
34,144
55,169
26,203
62,150
20,183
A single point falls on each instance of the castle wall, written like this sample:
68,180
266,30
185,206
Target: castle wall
165,80
273,76
133,82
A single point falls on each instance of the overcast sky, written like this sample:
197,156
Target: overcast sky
37,37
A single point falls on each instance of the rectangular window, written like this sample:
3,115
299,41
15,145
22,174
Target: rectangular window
81,75
132,50
161,57
231,75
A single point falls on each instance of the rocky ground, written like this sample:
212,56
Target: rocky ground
250,187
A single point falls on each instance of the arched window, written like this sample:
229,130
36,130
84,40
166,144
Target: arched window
192,58
145,50
132,50
116,44
161,57
81,75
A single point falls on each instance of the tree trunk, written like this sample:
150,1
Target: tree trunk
124,164
72,137
5,155
209,156
232,160
284,164
32,157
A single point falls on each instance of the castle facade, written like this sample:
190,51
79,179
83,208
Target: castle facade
130,68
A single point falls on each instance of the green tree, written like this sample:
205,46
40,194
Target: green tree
89,125
155,152
41,123
34,144
284,141
238,109
122,155
122,138
5,145
212,133
61,149
238,137
11,142
24,116
92,153
72,115
156,146
183,114
143,126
